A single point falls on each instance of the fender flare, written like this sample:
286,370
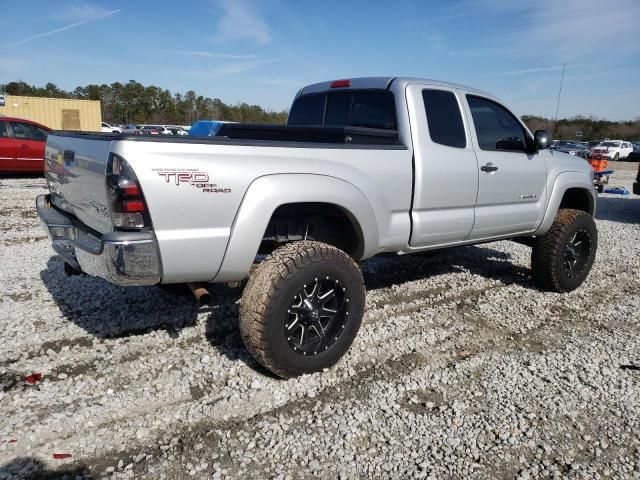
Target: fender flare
265,194
562,183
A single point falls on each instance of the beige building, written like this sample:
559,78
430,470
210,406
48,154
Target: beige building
56,113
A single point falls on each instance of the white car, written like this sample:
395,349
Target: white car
106,128
614,149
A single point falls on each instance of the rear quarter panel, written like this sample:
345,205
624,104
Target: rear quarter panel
193,219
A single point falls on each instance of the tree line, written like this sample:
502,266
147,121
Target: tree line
134,103
591,128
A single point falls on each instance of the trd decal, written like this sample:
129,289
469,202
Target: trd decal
195,178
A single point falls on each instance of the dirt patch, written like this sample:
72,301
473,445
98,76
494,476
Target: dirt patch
58,345
422,402
28,214
21,241
20,297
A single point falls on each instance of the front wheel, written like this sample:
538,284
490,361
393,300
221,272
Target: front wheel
302,308
562,258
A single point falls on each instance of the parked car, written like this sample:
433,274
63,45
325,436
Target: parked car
157,129
577,149
561,143
22,144
205,128
135,129
613,149
177,131
110,128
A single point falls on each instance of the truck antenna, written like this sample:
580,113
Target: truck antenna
555,121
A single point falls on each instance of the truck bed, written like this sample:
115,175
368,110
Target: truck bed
256,134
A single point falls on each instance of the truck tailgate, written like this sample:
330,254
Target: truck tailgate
75,169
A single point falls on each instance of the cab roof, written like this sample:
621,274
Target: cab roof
385,83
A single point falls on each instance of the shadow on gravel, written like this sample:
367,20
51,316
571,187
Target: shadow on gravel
222,329
33,469
386,270
622,210
109,311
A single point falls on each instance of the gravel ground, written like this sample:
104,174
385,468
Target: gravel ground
462,369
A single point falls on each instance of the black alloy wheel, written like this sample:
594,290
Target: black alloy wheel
577,253
316,316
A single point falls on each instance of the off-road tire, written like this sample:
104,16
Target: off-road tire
549,251
268,295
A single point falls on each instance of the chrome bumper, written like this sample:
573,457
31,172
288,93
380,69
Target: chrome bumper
123,258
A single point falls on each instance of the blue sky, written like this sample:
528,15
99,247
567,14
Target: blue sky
263,51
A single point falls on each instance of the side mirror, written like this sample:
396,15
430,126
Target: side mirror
541,139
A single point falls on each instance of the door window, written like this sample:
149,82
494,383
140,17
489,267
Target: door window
4,130
444,118
496,128
26,131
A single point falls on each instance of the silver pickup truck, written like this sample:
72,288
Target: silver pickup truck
363,166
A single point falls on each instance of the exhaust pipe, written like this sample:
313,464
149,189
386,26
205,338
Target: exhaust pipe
200,292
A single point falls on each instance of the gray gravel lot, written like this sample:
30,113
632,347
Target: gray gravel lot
462,369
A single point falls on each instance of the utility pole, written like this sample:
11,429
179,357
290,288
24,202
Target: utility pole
555,121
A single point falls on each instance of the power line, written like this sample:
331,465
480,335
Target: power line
555,121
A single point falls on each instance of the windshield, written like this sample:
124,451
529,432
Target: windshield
610,144
356,108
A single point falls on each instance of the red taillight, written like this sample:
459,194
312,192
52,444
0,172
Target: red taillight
127,206
132,206
130,191
340,83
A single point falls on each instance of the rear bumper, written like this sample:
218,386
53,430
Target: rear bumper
123,258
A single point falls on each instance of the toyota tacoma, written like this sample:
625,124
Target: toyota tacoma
363,166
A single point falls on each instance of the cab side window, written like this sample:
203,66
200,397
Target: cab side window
496,128
444,118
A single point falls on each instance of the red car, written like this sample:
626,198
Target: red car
22,145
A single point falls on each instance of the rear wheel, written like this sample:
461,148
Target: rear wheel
562,258
302,308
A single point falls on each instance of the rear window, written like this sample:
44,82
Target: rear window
364,108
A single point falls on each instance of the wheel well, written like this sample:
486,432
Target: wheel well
324,222
577,199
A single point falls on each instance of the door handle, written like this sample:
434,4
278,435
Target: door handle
489,167
23,146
